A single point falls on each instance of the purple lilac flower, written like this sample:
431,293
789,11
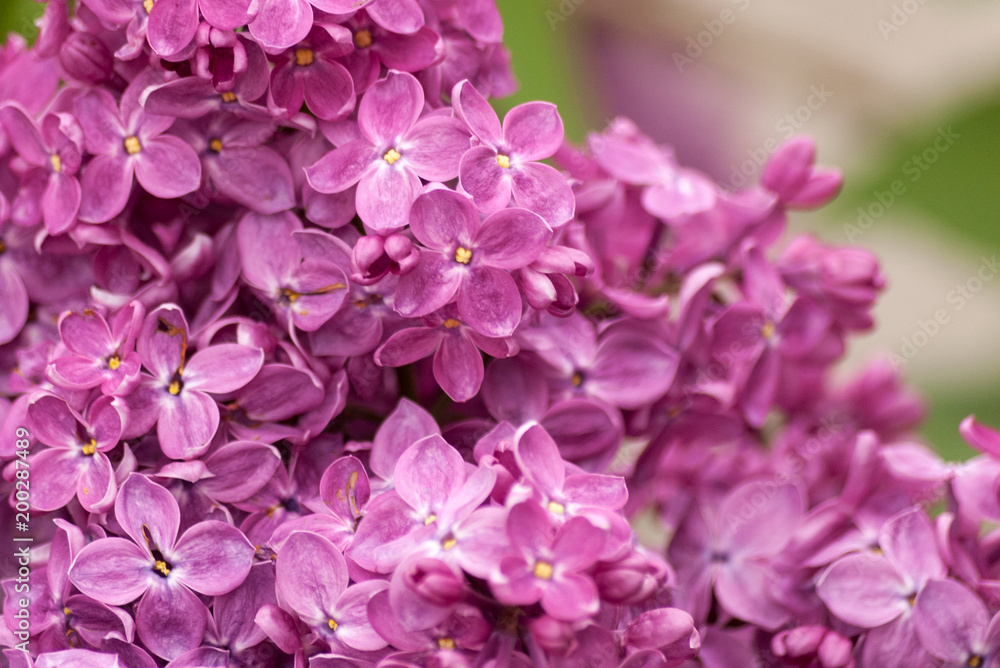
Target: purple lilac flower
506,164
210,558
128,142
97,354
397,148
468,261
310,72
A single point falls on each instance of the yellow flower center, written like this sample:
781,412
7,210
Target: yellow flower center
363,39
304,57
291,295
974,661
67,611
147,5
767,331
132,145
463,255
332,624
215,145
56,162
114,362
451,323
430,519
174,388
543,570
90,448
503,160
446,643
576,380
391,156
161,567
449,543
228,97
557,508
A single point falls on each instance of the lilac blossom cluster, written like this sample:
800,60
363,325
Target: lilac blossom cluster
323,365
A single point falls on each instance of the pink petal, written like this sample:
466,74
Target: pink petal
477,113
441,218
407,346
240,469
512,238
483,178
489,301
342,167
330,90
145,509
170,620
168,167
431,285
96,487
172,25
458,367
223,368
212,558
14,299
281,23
385,194
112,570
187,424
533,130
399,16
545,191
106,184
428,473
311,575
390,108
434,147
863,590
54,477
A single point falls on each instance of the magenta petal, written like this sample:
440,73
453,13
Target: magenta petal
512,238
112,570
545,191
744,590
482,19
342,167
330,90
434,147
428,473
431,285
170,620
61,203
910,544
23,134
202,657
473,108
97,113
490,302
14,298
258,178
168,167
106,184
483,178
54,478
145,509
766,530
384,196
538,456
212,558
225,14
311,575
53,421
223,368
863,590
172,25
187,424
240,469
570,597
96,487
345,487
399,16
354,627
406,425
533,130
458,367
282,23
950,620
441,218
390,107
407,346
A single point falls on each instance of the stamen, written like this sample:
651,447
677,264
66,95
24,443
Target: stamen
363,38
56,162
3,247
463,255
114,362
215,145
391,156
577,379
557,508
975,661
291,295
503,160
332,624
228,97
767,331
147,5
430,519
451,323
67,611
161,567
543,570
446,643
174,388
304,57
132,144
449,543
90,448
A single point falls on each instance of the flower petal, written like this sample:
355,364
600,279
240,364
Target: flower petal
489,301
112,570
168,167
223,368
170,620
212,558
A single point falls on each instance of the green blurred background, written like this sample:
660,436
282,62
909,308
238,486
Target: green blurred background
898,72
